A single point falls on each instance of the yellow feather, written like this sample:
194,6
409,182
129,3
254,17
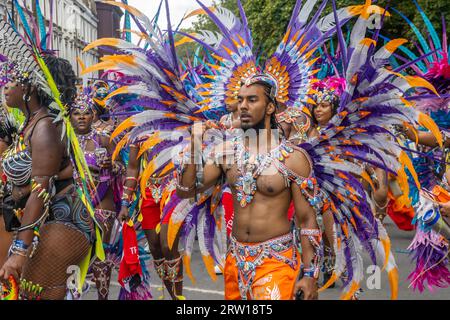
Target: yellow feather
132,10
209,264
149,143
172,232
99,66
119,146
128,123
387,251
121,90
146,176
110,42
198,12
353,288
427,122
406,161
392,45
393,282
117,59
330,281
167,168
185,40
415,81
187,267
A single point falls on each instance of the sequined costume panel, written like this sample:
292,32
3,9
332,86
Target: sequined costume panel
69,210
261,271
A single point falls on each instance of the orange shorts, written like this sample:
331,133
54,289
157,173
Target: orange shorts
261,271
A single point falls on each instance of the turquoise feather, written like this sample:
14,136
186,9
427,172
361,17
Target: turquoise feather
426,48
24,21
40,20
431,30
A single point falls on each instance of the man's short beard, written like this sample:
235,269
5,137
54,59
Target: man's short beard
259,126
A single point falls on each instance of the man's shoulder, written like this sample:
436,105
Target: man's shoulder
299,162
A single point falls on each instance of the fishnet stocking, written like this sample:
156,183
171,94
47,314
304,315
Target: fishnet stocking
60,246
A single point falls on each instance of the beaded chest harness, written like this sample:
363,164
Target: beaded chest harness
17,162
249,172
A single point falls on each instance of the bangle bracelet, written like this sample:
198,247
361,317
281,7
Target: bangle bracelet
186,189
131,178
129,188
20,244
311,273
125,203
18,251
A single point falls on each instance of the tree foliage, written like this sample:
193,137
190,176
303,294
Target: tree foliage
268,19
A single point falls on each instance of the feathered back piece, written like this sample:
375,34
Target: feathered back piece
435,67
373,101
153,77
429,248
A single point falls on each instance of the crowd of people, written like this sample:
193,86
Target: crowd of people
281,173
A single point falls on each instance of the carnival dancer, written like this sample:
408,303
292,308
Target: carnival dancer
54,226
167,261
98,150
164,91
55,230
273,248
354,132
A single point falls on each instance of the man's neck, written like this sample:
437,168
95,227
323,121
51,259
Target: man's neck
266,140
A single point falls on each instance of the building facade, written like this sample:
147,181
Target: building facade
75,25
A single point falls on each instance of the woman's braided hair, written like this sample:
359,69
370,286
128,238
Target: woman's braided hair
65,79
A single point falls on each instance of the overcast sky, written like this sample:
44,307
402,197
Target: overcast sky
178,8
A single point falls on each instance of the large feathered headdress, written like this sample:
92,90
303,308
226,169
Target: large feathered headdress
289,70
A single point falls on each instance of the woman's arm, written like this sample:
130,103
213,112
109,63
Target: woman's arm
131,181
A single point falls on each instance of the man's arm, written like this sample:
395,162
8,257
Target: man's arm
310,233
187,184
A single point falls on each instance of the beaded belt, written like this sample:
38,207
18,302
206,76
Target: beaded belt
258,252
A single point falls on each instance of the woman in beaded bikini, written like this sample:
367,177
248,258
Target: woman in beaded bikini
98,150
55,231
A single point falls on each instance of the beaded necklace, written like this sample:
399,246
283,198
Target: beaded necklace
249,172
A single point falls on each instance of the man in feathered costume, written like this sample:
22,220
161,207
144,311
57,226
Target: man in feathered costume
316,174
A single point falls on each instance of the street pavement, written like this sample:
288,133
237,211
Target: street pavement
206,289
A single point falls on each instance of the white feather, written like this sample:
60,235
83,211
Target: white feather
305,12
226,17
329,22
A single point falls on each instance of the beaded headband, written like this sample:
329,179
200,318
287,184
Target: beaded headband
266,78
328,90
83,103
